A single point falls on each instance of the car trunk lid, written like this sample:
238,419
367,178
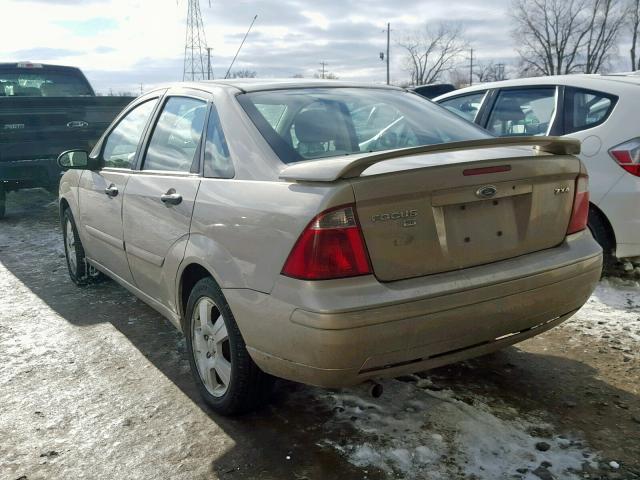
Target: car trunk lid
457,215
440,208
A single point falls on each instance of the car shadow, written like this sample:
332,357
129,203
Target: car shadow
296,425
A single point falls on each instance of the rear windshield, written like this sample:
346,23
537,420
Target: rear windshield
42,83
314,123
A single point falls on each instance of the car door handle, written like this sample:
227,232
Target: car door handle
111,190
171,197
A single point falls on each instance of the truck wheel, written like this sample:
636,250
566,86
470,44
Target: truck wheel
600,231
227,378
3,200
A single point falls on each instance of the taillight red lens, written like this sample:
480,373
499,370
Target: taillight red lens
332,246
580,212
627,155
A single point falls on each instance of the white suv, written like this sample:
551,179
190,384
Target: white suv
602,112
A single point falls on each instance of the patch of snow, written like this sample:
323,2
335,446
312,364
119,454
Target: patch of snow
412,430
612,315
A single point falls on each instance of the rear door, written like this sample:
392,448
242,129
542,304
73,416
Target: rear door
523,111
101,192
160,195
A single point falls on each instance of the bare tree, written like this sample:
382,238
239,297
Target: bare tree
490,72
567,36
245,73
432,51
459,77
634,14
606,21
327,76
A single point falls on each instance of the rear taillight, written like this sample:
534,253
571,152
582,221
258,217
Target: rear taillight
627,155
332,246
580,212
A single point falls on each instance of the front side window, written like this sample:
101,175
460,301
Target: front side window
523,112
122,143
176,135
326,122
217,161
466,106
585,109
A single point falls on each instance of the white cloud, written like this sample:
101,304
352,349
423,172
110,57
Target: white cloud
145,41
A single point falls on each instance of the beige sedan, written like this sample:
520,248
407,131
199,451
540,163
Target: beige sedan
327,233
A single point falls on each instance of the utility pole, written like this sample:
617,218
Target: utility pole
140,89
208,63
471,69
195,44
388,41
324,64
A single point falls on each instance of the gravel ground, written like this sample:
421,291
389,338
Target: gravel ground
94,384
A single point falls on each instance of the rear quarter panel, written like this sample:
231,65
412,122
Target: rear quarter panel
242,231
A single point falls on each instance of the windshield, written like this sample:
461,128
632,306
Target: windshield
41,83
313,123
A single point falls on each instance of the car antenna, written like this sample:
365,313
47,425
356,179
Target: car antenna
240,47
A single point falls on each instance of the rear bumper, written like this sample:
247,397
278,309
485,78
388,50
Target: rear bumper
379,330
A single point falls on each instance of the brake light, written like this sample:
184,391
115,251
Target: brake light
332,246
627,155
580,212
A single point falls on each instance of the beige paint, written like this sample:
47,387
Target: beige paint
433,297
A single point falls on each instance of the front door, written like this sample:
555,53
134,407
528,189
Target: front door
160,198
101,193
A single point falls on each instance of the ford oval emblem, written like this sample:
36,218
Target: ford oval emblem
77,124
488,191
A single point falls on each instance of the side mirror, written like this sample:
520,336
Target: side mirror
77,160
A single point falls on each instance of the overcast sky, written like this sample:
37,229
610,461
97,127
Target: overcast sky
121,44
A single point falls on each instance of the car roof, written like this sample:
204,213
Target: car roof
35,66
593,81
261,84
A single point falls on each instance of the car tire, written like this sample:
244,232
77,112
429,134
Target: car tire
73,250
227,378
79,271
601,232
3,200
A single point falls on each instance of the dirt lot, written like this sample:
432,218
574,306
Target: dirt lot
94,384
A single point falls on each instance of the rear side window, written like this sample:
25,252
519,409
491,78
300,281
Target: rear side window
41,82
520,112
585,109
176,136
217,161
121,145
466,106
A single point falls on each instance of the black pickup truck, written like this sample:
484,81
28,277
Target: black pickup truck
45,109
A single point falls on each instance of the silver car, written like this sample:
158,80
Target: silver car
327,233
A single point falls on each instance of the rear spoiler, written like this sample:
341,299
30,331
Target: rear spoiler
331,169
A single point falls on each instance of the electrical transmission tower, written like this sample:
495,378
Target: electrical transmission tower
195,49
